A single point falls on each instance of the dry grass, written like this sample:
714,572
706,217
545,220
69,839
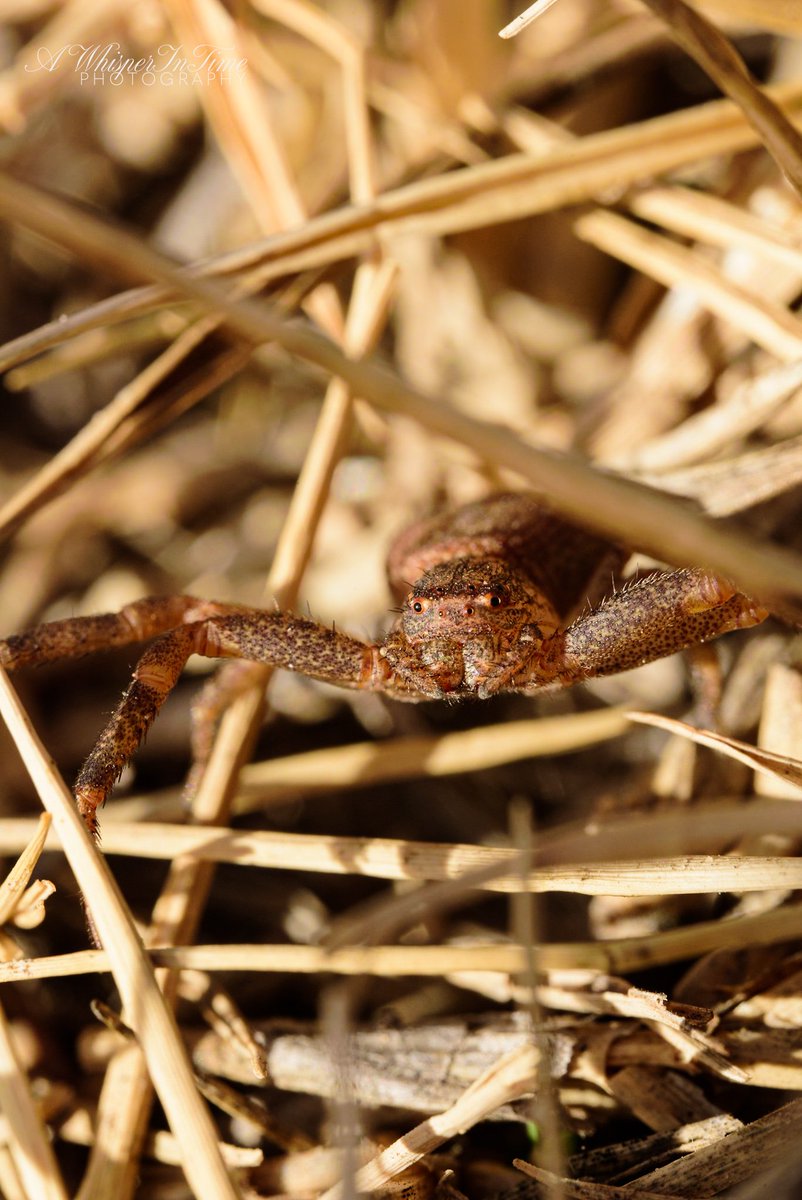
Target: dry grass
253,325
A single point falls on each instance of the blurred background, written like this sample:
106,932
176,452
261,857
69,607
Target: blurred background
207,129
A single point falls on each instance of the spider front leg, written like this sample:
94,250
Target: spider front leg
649,619
275,639
75,637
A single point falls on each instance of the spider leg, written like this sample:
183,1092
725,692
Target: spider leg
276,639
296,644
651,618
355,664
155,675
76,636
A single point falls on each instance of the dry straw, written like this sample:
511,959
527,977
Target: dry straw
207,320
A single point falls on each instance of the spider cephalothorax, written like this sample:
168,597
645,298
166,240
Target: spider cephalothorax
466,625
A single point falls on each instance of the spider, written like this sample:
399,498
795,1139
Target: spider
494,609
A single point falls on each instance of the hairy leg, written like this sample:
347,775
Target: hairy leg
272,638
649,619
155,676
77,636
190,626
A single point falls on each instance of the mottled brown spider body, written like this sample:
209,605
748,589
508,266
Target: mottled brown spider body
495,581
466,624
491,593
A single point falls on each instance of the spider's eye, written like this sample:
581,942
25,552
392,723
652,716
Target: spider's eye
468,611
492,599
495,601
418,606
